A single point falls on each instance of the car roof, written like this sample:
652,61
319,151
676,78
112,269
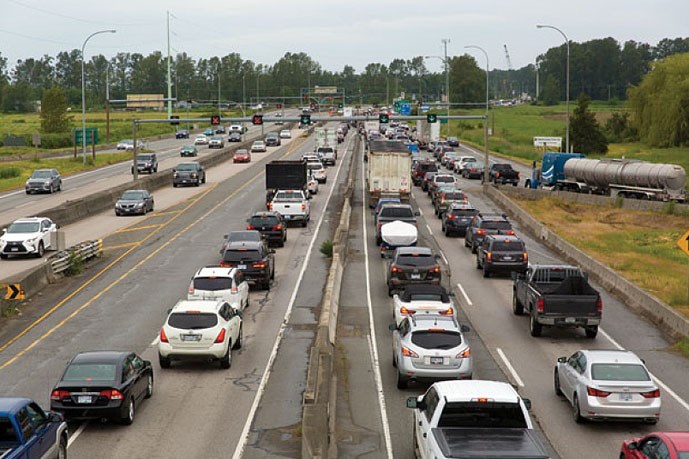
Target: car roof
491,216
680,440
197,305
430,321
610,356
398,205
461,206
215,271
265,213
413,251
504,237
100,357
29,220
467,390
13,404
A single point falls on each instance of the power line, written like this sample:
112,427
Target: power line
87,21
36,38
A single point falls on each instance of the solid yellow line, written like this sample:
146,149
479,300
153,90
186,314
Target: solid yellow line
137,228
167,212
123,276
121,246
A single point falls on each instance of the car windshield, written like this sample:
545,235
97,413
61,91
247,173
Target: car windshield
8,435
235,256
496,225
127,142
90,372
200,136
187,167
503,246
470,159
23,227
258,143
289,196
188,147
144,157
396,212
212,283
482,414
41,174
422,260
217,138
619,372
132,196
192,321
263,221
240,153
431,339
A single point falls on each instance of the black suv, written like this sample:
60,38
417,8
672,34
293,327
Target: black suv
484,224
273,139
456,219
235,136
412,265
500,253
254,259
271,225
146,162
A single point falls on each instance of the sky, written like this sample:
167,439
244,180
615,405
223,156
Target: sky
332,33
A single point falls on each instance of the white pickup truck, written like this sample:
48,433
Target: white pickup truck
293,205
473,418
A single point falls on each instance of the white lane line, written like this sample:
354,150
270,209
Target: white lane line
509,366
466,297
24,204
76,434
155,342
372,332
429,229
239,450
664,386
420,210
442,254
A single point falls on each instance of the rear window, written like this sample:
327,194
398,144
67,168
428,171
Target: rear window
496,224
235,256
396,212
416,260
426,168
426,297
192,321
456,196
263,221
444,178
514,246
8,436
436,339
90,372
464,213
213,283
619,372
289,196
476,414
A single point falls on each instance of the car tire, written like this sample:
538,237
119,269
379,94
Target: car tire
128,418
174,185
478,262
149,387
51,189
226,360
117,214
517,307
391,291
240,338
394,361
41,250
3,256
474,248
164,361
556,383
204,179
591,331
651,422
198,182
576,412
402,381
62,449
534,327
466,243
486,272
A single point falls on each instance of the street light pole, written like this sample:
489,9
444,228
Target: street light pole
485,126
447,83
83,93
545,26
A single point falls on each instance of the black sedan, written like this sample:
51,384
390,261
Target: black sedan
182,134
103,385
134,202
234,137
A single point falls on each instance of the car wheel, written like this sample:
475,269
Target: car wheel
198,182
128,417
51,189
478,262
3,256
174,185
534,327
466,243
575,410
473,248
226,360
651,421
266,285
62,449
591,331
240,338
402,381
149,387
556,382
486,273
204,179
41,250
164,362
517,307
394,361
117,214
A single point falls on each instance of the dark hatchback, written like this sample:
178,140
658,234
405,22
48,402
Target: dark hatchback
456,219
412,265
502,254
254,259
103,385
273,140
271,225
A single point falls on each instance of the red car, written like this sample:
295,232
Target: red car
241,156
671,445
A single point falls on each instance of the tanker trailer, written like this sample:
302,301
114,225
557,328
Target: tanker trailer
627,178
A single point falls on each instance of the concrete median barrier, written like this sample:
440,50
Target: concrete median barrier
649,306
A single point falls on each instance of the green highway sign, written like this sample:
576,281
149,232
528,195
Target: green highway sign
90,133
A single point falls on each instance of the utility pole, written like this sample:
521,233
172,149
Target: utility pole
107,103
169,77
447,83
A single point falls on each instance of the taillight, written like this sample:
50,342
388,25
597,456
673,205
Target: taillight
224,264
651,394
249,227
406,312
408,352
379,225
497,175
395,269
510,232
525,256
270,206
234,290
540,305
517,174
447,312
58,395
191,287
277,227
451,217
480,232
489,256
435,269
303,207
599,306
163,336
112,394
465,354
221,337
596,392
260,265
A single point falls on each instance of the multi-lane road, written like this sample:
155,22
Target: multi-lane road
254,408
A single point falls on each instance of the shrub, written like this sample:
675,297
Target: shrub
327,248
9,172
76,264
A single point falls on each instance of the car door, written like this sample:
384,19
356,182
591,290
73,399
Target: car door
46,227
129,379
425,419
242,288
141,385
568,375
45,445
647,447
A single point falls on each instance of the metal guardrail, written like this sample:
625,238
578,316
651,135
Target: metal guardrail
88,249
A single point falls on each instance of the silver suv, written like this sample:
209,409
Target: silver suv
430,348
218,283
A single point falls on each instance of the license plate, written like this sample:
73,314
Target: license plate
626,397
570,320
14,249
288,217
191,337
416,276
507,258
84,399
241,266
436,360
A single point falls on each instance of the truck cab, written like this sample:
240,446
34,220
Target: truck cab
28,432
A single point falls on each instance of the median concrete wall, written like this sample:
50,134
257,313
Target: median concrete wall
651,307
318,415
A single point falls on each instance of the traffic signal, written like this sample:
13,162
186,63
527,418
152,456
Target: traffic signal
384,118
340,105
278,105
305,120
174,120
257,119
215,120
432,118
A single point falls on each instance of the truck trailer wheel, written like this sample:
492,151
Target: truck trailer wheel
534,327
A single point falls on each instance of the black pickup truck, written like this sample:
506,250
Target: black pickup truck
557,296
503,173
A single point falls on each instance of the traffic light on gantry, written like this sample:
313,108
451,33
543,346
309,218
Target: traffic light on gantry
305,119
432,118
384,118
215,120
257,119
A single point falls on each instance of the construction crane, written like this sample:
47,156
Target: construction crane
509,68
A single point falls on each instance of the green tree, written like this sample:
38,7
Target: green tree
467,80
550,94
585,132
54,117
17,98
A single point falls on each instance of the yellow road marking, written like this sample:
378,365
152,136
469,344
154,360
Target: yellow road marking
123,276
121,246
167,212
137,228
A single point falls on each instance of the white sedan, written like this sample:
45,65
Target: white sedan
285,134
258,146
27,236
312,185
201,139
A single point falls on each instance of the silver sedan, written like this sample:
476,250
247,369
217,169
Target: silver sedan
607,384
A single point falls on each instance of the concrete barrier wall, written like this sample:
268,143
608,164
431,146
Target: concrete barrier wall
658,312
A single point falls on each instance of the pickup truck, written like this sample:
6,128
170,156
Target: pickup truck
329,155
472,419
28,432
293,205
503,173
557,296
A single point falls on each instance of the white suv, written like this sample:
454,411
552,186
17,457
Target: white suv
219,283
27,236
200,330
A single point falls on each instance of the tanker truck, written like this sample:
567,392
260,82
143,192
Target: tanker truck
627,178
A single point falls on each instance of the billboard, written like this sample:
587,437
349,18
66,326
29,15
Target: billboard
325,90
145,101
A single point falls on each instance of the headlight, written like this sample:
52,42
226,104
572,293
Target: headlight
175,175
194,175
47,182
140,204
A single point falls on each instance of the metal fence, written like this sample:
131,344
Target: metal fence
82,251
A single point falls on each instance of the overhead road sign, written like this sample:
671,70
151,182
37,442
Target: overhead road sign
325,90
425,108
257,119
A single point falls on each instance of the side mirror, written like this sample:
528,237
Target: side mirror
174,170
436,256
562,359
392,327
225,235
57,226
147,364
452,294
527,403
464,328
633,446
412,402
169,311
55,417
